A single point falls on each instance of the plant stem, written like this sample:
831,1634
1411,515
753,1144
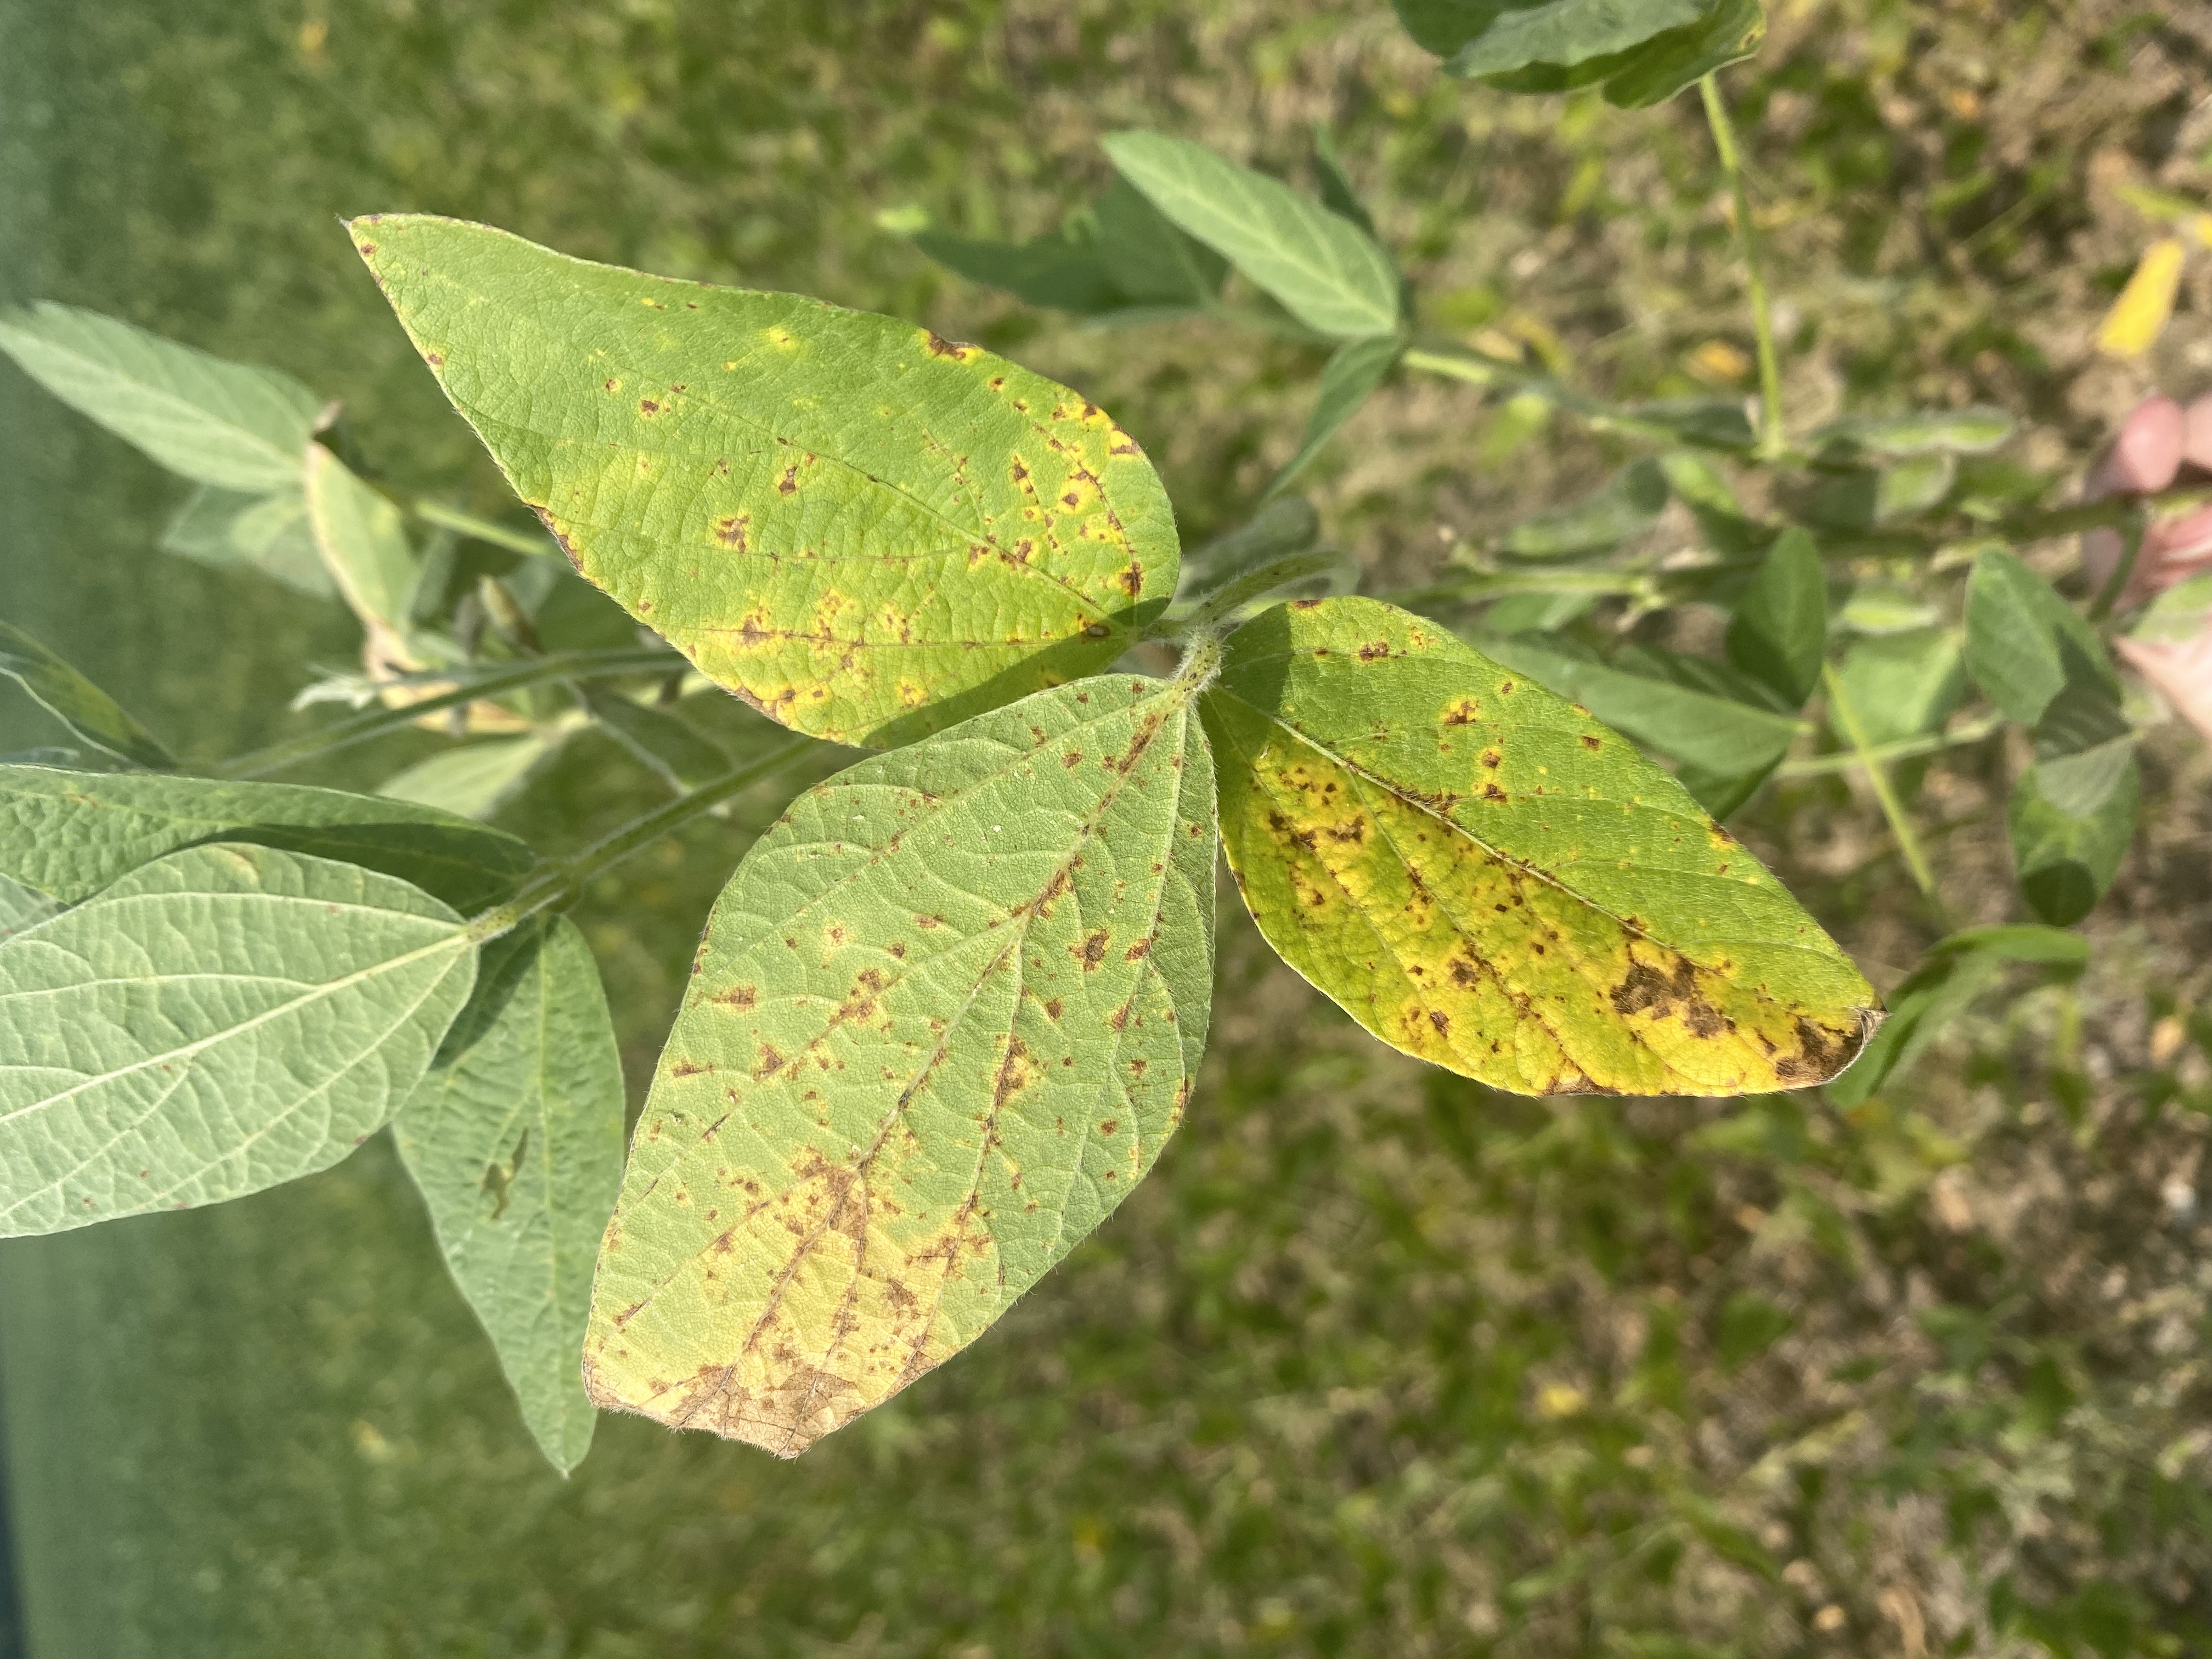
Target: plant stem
557,879
1459,362
1814,766
483,530
368,723
1908,843
2132,535
1773,440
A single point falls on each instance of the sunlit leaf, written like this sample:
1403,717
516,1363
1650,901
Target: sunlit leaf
1669,62
362,541
1326,270
222,1019
1491,880
1348,381
942,1019
1971,431
269,532
473,780
2025,644
223,423
2139,316
91,715
1903,686
22,906
515,1139
1491,37
70,834
865,530
1779,634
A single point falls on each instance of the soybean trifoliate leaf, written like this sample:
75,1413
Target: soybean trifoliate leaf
362,542
269,532
220,1020
1667,64
1487,878
942,1019
1494,36
1348,381
70,834
474,780
1326,270
863,530
1779,634
515,1139
2025,647
89,713
227,424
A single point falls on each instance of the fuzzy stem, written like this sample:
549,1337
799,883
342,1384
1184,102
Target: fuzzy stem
1773,441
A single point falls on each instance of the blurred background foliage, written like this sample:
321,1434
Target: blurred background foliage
1377,1362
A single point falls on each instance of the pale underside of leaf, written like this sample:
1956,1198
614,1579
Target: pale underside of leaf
1488,879
942,1020
515,1139
222,1019
70,834
863,529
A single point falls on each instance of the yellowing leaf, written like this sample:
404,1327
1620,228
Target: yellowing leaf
2139,315
1487,878
944,1018
865,530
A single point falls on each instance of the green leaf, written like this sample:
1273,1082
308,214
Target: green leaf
362,541
269,532
1326,270
220,1020
1718,737
663,742
1126,259
22,906
1487,878
1708,422
1882,607
944,1018
1358,367
1337,194
227,424
90,714
70,834
1779,634
473,780
1866,497
2025,644
1063,272
515,1139
1285,526
1494,36
1973,431
863,530
1673,61
2066,859
1153,262
1627,505
1903,686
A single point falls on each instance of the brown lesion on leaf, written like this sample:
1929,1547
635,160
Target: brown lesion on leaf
1822,1051
1090,950
1465,712
647,407
731,532
1591,741
1645,990
958,350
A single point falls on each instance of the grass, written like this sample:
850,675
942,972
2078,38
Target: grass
1375,1363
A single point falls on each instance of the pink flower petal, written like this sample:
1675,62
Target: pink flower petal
2146,454
2180,672
2196,433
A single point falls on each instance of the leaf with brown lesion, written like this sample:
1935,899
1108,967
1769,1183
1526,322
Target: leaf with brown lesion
984,976
1487,878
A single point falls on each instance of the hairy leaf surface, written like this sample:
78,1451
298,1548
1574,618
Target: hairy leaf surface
1327,271
515,1138
89,713
228,424
1487,878
70,834
942,1019
863,530
218,1021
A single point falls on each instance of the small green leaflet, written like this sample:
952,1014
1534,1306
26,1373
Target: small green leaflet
1487,878
1643,51
70,834
89,713
1779,634
1974,431
944,1018
1903,686
1499,39
473,780
2066,858
1326,270
269,532
2025,644
1649,74
1127,260
227,424
1351,377
515,1139
362,542
865,530
220,1020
